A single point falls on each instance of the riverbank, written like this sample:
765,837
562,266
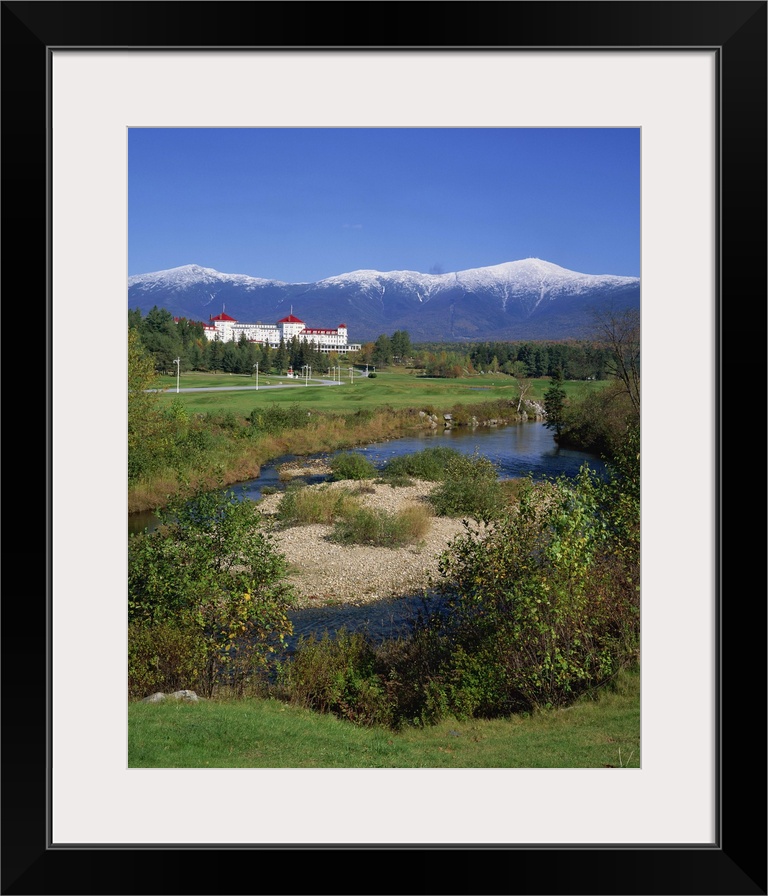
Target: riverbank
240,459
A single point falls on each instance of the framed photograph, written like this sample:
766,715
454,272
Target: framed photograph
692,77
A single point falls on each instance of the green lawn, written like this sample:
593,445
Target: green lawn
395,387
262,733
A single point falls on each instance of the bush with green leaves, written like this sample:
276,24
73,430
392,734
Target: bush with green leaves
540,609
598,422
431,464
211,567
337,675
351,465
620,498
272,419
470,488
165,656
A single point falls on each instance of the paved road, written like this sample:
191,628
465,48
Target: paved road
318,382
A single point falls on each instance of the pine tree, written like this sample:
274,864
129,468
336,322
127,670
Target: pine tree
554,403
281,359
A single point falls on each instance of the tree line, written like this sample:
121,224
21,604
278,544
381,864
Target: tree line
166,339
575,359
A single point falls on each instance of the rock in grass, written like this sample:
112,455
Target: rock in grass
189,696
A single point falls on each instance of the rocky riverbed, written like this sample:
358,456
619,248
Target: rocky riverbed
325,574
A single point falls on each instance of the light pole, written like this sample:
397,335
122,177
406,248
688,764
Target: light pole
256,365
177,362
309,371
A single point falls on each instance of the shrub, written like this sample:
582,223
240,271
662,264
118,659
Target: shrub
164,656
410,668
597,422
351,465
541,609
470,489
211,564
370,526
337,675
431,464
479,500
276,418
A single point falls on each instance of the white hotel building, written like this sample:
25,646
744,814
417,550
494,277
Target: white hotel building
224,328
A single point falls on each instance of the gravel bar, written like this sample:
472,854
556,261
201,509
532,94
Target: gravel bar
323,573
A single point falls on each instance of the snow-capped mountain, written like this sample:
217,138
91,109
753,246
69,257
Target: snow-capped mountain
193,274
526,299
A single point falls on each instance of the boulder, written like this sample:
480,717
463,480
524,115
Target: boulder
189,696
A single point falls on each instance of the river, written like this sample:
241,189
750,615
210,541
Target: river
518,449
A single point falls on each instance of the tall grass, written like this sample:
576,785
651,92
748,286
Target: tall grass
376,527
301,506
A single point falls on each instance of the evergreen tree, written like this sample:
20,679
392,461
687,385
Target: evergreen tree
134,318
160,337
229,359
554,403
281,359
266,358
214,355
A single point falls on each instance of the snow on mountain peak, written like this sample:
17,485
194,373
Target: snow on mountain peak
510,276
188,274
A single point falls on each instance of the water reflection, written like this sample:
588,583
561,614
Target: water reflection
518,450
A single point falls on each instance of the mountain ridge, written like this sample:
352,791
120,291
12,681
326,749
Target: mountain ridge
525,299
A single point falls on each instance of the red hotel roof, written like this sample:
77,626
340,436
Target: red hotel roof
291,319
223,316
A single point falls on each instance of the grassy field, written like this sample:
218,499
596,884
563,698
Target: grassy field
396,387
264,733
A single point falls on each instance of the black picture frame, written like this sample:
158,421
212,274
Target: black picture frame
736,862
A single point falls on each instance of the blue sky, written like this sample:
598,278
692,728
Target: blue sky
298,205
